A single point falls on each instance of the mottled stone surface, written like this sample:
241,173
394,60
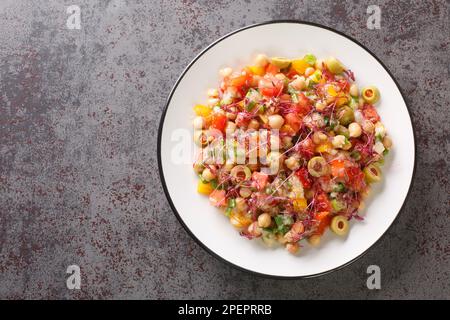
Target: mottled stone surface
79,111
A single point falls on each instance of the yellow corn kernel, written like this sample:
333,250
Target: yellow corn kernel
238,220
331,91
204,188
300,66
257,70
202,110
300,204
324,147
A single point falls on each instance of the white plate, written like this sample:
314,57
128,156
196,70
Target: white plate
211,228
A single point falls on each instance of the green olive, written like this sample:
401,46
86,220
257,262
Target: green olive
342,131
370,94
280,62
372,173
345,115
241,173
317,167
334,65
339,225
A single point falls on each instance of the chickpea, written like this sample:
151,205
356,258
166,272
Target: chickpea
253,124
254,229
292,247
347,145
199,122
281,239
387,142
289,236
354,92
319,137
298,83
213,93
314,240
281,77
287,142
229,165
320,106
368,126
245,192
225,72
198,167
274,158
207,175
338,141
264,220
276,121
213,102
261,60
292,163
309,71
354,130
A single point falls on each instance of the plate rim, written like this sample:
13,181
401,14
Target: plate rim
163,117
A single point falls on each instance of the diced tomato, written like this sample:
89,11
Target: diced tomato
370,113
303,106
217,198
323,220
356,178
322,203
338,168
285,98
306,148
291,73
239,81
219,121
260,180
272,69
270,87
293,120
304,177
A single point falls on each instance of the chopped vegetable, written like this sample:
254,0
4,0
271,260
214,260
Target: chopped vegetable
318,144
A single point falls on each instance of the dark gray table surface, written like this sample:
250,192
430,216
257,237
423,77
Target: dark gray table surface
79,184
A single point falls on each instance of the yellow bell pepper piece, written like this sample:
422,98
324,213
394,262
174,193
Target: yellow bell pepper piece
259,71
204,188
300,66
331,91
300,204
238,220
202,110
324,147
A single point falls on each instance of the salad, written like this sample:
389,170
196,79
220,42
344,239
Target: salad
289,148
